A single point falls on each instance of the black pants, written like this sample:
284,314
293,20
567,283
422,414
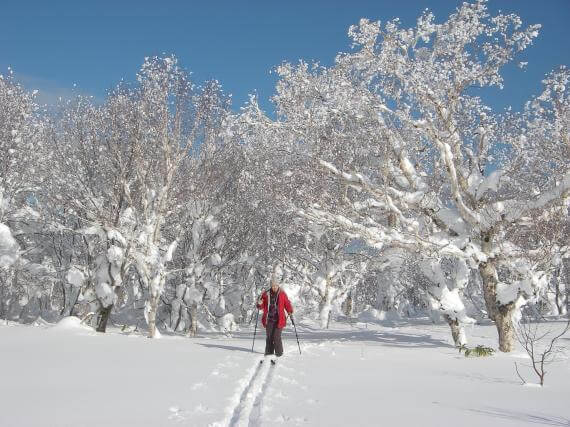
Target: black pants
273,342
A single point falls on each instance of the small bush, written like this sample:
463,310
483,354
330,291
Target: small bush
479,351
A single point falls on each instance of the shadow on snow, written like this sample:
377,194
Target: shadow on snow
527,418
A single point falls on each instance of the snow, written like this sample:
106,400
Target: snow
215,259
94,229
211,223
114,254
489,183
8,247
70,324
227,322
374,315
476,202
115,235
75,277
352,374
452,219
105,293
170,252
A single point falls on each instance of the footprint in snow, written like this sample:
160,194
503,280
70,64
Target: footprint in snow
229,365
176,414
201,409
281,395
286,380
284,419
217,373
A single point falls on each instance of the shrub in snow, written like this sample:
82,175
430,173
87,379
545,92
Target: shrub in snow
479,351
540,346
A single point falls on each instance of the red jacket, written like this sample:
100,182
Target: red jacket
283,304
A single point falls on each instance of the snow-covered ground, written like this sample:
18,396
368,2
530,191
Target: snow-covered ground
351,375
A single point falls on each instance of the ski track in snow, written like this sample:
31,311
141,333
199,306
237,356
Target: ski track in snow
257,410
248,400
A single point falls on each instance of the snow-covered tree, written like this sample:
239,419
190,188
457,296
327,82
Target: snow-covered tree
453,175
21,172
324,266
176,124
446,283
19,138
9,253
87,189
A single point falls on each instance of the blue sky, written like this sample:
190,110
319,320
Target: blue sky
52,45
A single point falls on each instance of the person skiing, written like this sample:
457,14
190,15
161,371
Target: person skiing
274,302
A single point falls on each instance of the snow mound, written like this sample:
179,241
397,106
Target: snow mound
71,323
372,315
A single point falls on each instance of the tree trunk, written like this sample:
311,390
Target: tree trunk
324,306
456,331
348,305
489,277
75,302
193,319
500,314
2,296
153,307
105,312
6,294
488,272
384,298
180,314
62,313
505,327
560,298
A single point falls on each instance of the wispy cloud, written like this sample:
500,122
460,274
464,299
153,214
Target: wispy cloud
50,92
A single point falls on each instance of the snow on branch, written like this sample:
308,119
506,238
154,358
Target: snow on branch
559,191
380,237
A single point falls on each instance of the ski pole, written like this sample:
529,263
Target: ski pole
255,330
295,327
